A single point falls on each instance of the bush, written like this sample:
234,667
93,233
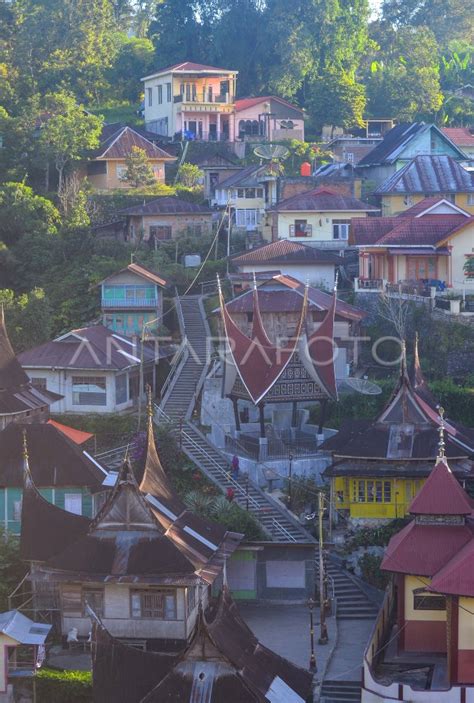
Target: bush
111,430
57,686
370,571
12,569
375,536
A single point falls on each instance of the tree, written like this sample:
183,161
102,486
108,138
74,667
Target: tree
28,317
447,19
134,60
22,212
68,133
336,99
404,80
190,175
139,173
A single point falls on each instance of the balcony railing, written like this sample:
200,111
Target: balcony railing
219,99
371,285
301,231
124,303
205,136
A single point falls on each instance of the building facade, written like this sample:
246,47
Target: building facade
164,219
132,300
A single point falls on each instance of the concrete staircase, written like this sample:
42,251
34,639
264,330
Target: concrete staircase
340,692
352,602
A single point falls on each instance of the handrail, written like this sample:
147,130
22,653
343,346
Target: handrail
205,366
181,355
116,450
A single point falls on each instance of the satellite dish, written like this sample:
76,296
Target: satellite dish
359,385
271,152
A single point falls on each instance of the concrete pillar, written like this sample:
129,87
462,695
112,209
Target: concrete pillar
262,449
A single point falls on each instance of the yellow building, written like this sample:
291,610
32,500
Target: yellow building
429,242
108,165
425,177
379,466
422,646
320,217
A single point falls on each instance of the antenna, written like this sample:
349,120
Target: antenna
271,152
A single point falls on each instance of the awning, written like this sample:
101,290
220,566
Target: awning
77,436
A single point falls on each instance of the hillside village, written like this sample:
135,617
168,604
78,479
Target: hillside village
236,353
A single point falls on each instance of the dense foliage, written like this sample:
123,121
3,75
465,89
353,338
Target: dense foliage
12,568
57,686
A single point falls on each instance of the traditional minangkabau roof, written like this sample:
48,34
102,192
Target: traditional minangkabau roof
46,529
405,430
286,252
322,199
56,460
224,661
118,144
259,363
428,174
17,395
141,532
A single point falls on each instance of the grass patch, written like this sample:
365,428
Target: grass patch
120,112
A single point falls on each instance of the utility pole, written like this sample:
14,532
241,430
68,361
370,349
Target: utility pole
290,473
323,638
312,657
229,228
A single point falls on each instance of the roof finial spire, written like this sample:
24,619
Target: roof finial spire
149,404
25,446
219,288
441,443
255,280
336,281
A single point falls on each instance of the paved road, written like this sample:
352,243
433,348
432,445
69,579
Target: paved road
285,630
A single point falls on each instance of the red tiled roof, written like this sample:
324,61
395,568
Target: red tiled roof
288,252
429,230
461,136
321,199
245,103
190,66
142,271
422,550
457,576
441,494
119,144
420,207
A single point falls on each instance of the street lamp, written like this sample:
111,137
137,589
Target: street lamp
312,658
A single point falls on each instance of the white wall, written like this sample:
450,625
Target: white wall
320,275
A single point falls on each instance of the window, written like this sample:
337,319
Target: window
470,198
89,390
424,600
421,267
191,598
96,168
248,219
160,94
301,228
39,383
73,503
350,157
153,604
121,172
17,510
210,94
160,232
121,389
94,598
340,229
371,491
150,97
168,92
188,91
408,200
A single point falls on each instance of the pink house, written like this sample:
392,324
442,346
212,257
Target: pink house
269,117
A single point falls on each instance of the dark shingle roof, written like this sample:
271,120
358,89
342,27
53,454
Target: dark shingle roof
429,174
284,251
321,199
167,206
118,143
94,347
246,177
428,230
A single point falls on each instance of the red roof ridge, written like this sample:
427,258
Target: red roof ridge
441,494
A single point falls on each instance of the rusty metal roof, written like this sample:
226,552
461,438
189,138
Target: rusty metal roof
429,175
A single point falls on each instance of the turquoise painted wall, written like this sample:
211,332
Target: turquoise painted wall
10,500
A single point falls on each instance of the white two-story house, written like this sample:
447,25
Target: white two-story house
191,100
320,217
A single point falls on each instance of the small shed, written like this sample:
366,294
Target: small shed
21,646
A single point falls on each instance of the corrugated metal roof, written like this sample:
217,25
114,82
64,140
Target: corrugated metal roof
288,252
20,628
245,103
167,206
321,199
429,174
118,145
